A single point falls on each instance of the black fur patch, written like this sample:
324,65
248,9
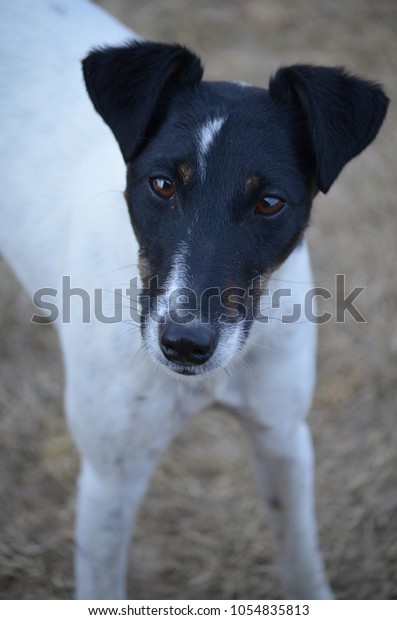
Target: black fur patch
128,87
343,113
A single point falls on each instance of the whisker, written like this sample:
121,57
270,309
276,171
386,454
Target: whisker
266,348
129,266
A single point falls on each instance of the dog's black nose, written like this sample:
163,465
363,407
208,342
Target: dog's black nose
187,344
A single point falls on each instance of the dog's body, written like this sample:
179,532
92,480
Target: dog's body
209,212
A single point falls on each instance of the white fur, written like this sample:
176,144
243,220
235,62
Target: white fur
179,277
63,212
206,137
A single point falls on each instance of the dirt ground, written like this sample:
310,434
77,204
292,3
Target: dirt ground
202,531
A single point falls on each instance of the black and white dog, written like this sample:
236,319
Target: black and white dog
220,183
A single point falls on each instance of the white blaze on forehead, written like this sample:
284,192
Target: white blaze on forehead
207,134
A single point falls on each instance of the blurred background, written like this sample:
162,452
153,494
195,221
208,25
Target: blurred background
202,532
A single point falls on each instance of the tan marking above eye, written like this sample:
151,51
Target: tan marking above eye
252,183
185,171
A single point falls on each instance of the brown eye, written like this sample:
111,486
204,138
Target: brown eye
269,205
163,187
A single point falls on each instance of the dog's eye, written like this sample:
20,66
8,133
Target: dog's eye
162,187
269,205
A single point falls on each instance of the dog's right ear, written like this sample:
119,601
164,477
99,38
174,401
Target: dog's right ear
129,86
343,113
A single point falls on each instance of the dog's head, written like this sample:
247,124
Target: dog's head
220,182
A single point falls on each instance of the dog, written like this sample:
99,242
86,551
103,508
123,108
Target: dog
187,260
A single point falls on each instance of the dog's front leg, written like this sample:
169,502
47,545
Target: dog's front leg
278,393
107,504
283,465
106,511
121,433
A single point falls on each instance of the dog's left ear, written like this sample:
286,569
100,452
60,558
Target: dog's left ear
343,113
130,87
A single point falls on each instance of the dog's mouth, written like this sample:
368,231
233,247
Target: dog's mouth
184,370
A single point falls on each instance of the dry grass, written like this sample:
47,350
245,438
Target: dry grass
202,532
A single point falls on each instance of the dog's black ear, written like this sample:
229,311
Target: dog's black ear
343,113
130,85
